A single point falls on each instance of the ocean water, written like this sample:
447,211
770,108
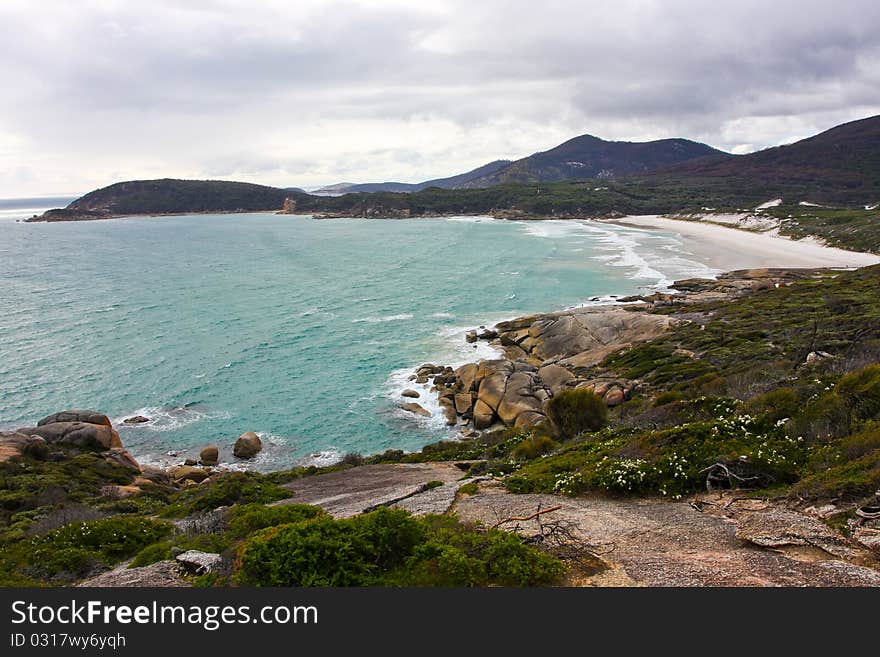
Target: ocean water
302,330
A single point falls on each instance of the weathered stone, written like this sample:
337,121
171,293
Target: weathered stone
85,435
114,492
412,394
484,415
418,409
528,419
614,397
199,563
89,417
160,574
555,377
137,419
466,375
183,473
121,457
870,538
156,475
448,408
210,455
492,389
470,336
518,398
464,401
247,446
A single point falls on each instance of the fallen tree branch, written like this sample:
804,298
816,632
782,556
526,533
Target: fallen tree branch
530,517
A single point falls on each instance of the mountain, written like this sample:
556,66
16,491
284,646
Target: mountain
452,182
590,157
840,165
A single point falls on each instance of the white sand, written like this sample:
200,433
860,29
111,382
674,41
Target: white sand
727,249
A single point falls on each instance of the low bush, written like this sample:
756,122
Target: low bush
533,447
249,518
860,391
389,547
226,490
77,548
573,412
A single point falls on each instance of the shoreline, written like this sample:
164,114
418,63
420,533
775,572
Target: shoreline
729,249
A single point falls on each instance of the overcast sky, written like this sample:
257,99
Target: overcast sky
305,93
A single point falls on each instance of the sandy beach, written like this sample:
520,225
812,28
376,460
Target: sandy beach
727,249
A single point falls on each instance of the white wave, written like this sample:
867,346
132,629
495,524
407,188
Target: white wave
472,219
442,315
168,418
329,456
769,204
382,318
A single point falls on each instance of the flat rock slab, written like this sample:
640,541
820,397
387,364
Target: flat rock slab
658,542
161,573
779,528
436,500
349,492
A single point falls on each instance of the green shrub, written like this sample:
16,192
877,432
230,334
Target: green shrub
848,480
860,392
226,490
668,397
470,488
821,418
777,404
573,412
389,547
533,447
248,518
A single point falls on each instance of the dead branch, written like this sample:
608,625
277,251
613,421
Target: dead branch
536,514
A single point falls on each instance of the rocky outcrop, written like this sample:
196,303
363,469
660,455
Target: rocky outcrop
545,354
182,473
83,429
247,446
14,445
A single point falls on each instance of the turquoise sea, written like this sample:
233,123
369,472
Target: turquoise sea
302,330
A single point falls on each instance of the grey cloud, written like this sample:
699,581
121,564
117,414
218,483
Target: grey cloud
268,89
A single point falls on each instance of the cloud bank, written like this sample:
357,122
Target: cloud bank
316,92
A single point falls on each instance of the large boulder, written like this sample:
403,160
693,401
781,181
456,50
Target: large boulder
85,435
89,417
492,387
183,473
555,377
156,475
210,455
15,445
484,415
247,446
518,398
199,563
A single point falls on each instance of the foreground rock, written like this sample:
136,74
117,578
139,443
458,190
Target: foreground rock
356,490
247,446
160,574
658,542
199,563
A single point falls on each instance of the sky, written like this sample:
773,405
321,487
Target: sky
307,93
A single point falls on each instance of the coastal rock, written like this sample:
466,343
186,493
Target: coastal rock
247,446
413,407
464,401
156,475
470,336
555,377
409,392
137,419
210,455
484,415
121,457
89,417
778,528
528,419
182,473
85,435
466,375
14,445
115,492
518,398
870,538
614,397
